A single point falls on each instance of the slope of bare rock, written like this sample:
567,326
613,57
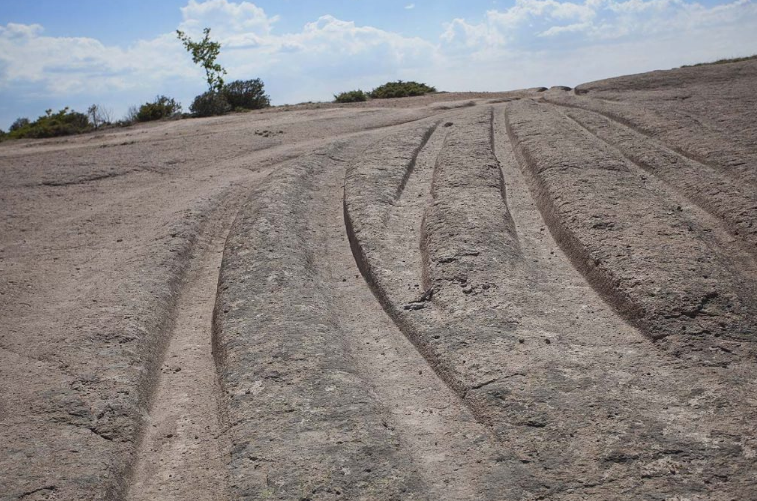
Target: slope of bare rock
75,391
182,451
374,189
301,420
643,252
97,232
734,203
705,113
231,140
542,337
456,456
712,147
620,418
537,294
411,273
469,244
674,80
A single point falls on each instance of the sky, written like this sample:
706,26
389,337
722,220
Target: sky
120,53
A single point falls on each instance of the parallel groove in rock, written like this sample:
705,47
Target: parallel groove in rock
466,175
718,153
586,170
301,420
706,187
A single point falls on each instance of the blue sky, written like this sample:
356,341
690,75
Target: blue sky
120,53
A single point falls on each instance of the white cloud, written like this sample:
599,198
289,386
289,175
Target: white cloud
410,6
521,25
74,64
327,49
546,42
534,42
227,19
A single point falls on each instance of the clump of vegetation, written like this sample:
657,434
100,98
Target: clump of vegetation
401,89
63,123
239,95
722,61
246,94
20,123
353,96
162,107
209,104
220,97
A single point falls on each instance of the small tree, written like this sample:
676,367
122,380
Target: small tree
99,116
131,115
205,53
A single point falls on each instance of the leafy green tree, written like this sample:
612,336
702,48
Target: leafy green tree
205,53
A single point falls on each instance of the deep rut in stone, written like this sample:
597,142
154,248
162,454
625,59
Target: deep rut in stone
183,451
456,457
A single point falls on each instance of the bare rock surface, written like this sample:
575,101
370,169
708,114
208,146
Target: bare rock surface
541,294
651,259
506,340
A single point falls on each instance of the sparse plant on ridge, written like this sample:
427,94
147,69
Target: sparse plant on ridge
205,53
220,97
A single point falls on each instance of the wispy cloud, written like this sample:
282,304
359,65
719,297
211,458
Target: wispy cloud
410,6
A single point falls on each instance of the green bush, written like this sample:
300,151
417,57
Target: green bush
246,94
19,123
240,95
3,135
401,89
210,104
63,123
162,107
353,96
